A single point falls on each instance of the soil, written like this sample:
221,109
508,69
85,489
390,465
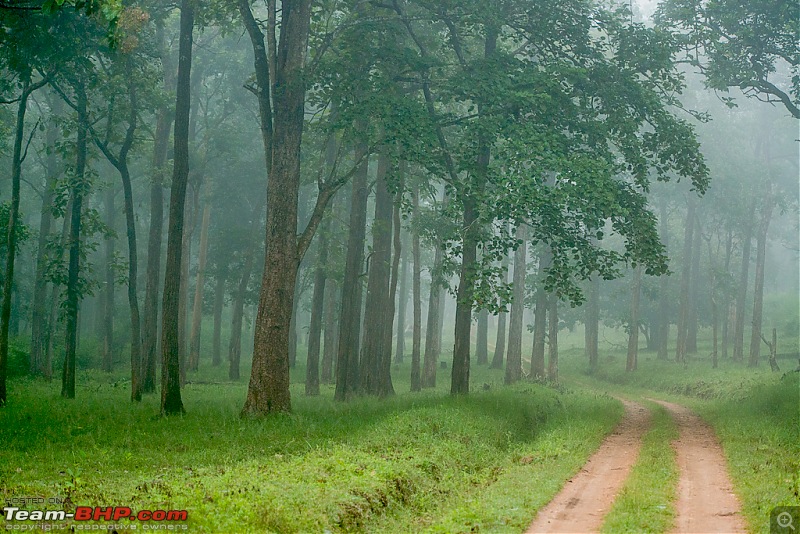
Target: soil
586,498
706,502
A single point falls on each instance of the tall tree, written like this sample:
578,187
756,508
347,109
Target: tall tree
515,325
171,402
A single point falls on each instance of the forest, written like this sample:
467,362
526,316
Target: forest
400,265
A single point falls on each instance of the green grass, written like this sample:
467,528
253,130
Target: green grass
646,502
414,461
754,412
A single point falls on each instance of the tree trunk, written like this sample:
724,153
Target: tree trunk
741,296
317,311
183,291
108,293
482,338
347,379
11,236
330,336
459,383
153,274
219,304
592,323
633,322
433,335
683,315
552,339
758,290
726,298
416,297
237,316
197,308
400,348
78,188
40,326
377,302
171,402
515,325
663,290
691,328
540,317
500,343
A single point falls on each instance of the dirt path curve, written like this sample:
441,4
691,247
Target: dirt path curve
706,502
585,499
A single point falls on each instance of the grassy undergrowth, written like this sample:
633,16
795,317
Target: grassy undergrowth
412,462
646,502
754,412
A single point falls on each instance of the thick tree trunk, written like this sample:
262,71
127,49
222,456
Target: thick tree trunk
107,315
40,325
683,314
153,274
633,321
219,303
552,339
758,289
377,302
197,308
592,322
78,188
416,297
459,383
11,236
515,325
171,402
741,296
347,379
540,317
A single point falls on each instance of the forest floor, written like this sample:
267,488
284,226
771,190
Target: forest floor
423,462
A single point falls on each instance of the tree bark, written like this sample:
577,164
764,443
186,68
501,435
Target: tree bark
377,302
726,299
237,317
552,338
741,296
330,336
171,402
592,323
683,314
482,338
78,188
692,326
153,274
108,290
221,276
515,325
11,236
500,343
197,308
402,303
416,297
268,390
663,290
758,289
317,311
40,325
433,335
540,317
633,321
347,379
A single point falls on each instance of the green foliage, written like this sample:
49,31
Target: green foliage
646,502
369,465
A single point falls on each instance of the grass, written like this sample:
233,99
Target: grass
414,461
754,412
646,502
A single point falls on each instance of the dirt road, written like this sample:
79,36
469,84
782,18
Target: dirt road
585,499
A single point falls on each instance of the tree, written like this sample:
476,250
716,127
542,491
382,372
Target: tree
750,45
171,402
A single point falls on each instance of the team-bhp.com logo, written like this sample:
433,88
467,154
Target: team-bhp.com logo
116,514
